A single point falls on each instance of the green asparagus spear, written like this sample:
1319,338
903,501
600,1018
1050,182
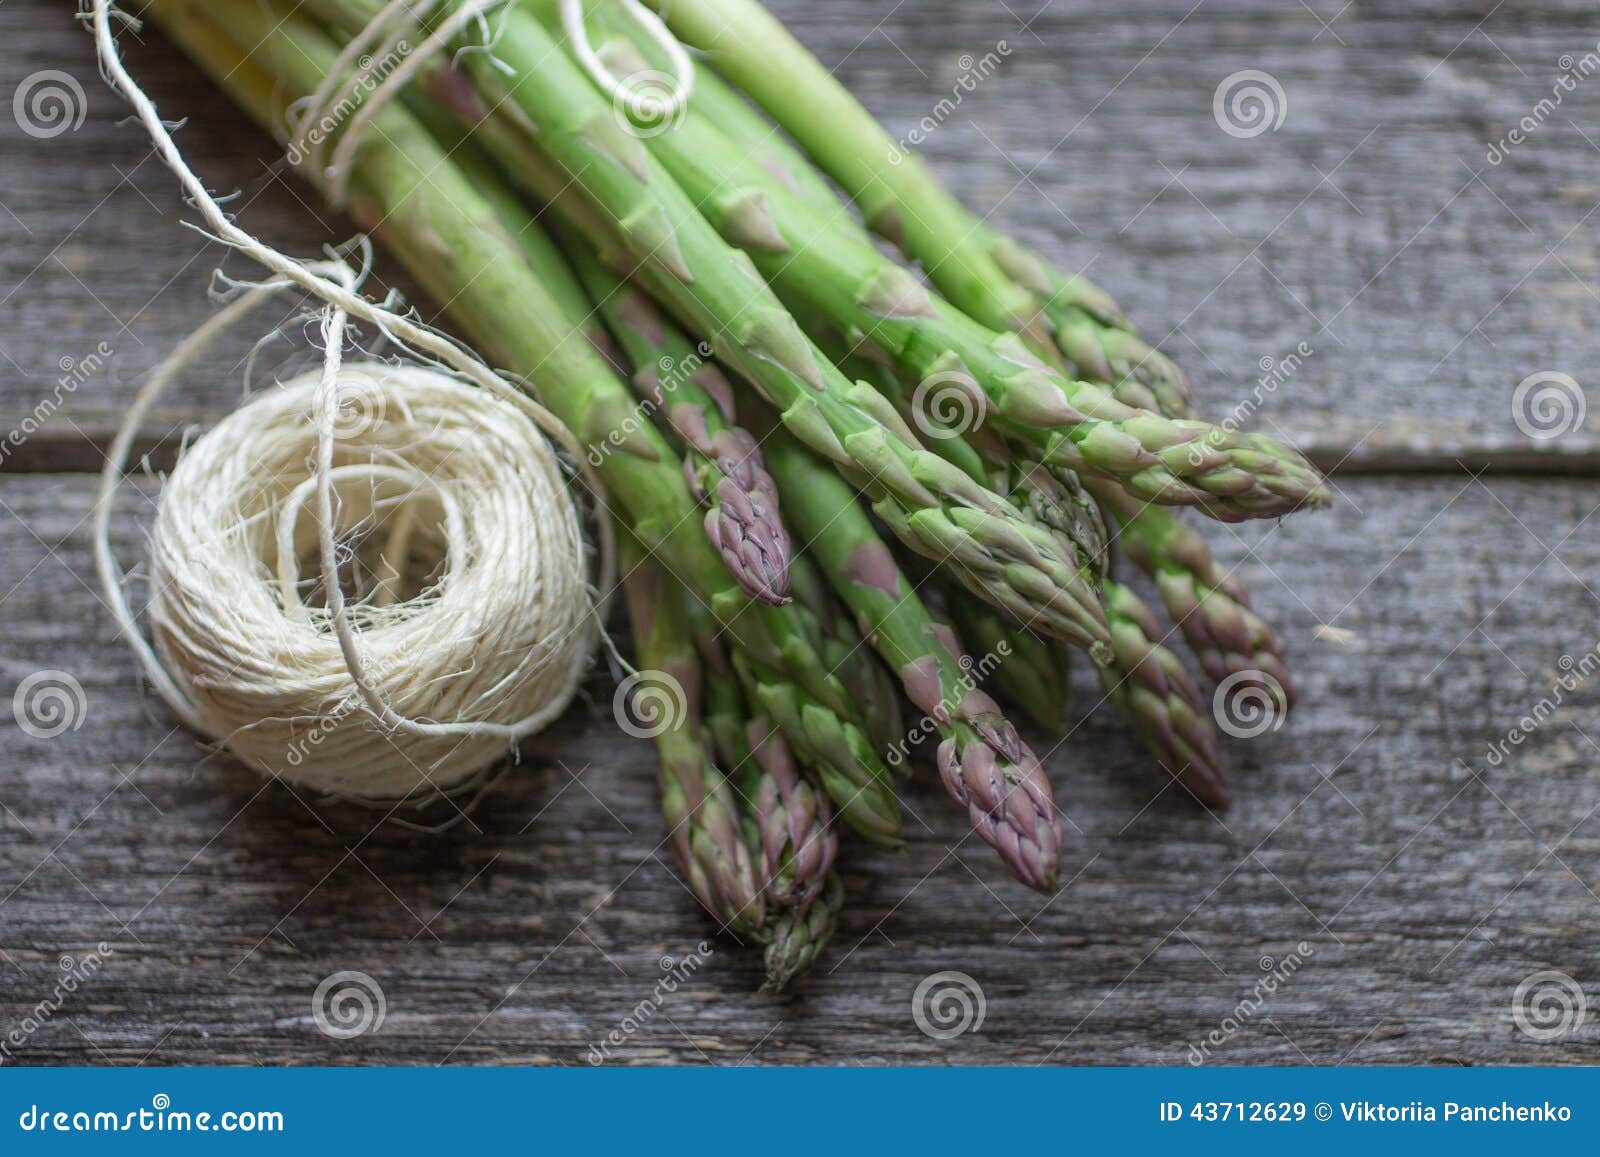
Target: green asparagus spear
990,277
697,802
1032,675
788,823
983,762
798,934
849,657
1209,605
723,463
1148,687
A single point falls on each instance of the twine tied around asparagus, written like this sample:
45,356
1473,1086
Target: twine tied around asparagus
501,625
641,101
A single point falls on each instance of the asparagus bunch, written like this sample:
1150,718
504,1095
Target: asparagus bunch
994,425
531,84
1211,608
1072,423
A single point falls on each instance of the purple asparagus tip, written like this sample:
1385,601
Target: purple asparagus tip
743,522
1010,805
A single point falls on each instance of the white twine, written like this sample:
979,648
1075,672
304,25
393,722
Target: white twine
495,646
468,623
643,103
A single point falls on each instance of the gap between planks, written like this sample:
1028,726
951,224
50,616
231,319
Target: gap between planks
85,454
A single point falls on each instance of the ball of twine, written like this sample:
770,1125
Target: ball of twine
461,618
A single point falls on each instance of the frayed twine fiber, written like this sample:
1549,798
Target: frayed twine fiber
463,572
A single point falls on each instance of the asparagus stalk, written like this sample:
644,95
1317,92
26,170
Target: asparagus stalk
1209,605
788,823
849,657
934,509
1032,675
722,461
697,802
798,934
716,100
983,762
450,240
1146,685
985,274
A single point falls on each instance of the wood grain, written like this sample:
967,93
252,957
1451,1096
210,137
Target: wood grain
1426,882
1369,226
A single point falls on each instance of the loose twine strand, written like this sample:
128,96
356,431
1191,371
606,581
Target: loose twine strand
384,698
643,103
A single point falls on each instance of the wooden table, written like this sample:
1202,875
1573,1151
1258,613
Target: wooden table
1425,614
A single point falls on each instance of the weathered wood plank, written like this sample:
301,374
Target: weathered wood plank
1369,226
1426,882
